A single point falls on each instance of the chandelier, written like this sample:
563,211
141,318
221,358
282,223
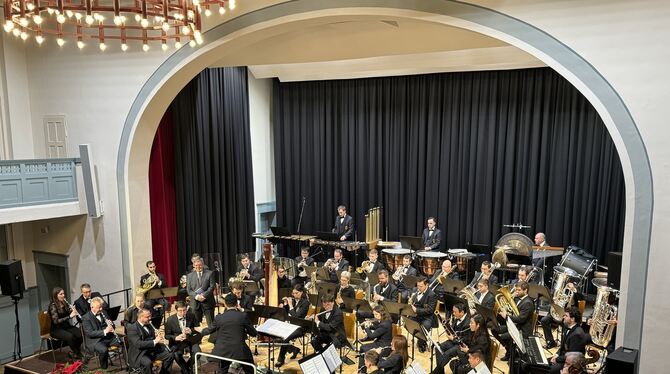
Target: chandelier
168,22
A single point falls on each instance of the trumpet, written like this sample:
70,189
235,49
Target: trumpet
364,267
399,273
330,264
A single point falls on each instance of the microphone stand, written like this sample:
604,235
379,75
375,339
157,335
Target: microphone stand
302,209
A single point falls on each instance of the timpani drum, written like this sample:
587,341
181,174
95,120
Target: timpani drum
430,261
393,257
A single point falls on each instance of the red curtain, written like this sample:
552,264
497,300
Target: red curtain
162,200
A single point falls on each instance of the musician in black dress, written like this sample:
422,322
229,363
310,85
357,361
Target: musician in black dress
282,278
432,236
423,303
574,339
523,321
344,224
344,289
459,327
300,262
297,307
379,331
395,363
484,297
64,322
476,340
330,325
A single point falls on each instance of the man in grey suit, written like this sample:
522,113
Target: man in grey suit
200,286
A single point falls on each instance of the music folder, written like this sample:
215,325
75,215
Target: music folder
276,328
536,290
414,328
355,304
326,361
399,309
265,311
415,368
160,293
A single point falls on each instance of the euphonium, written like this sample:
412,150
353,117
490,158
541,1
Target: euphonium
601,329
562,294
363,267
468,295
505,300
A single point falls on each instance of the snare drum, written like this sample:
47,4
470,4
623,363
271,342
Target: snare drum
393,257
429,262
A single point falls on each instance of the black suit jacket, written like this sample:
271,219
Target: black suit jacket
84,305
461,328
481,342
343,265
390,292
246,303
161,280
206,285
524,320
573,340
140,342
392,364
94,329
232,328
345,228
309,261
173,329
489,300
493,279
333,326
299,310
433,242
425,308
381,333
255,273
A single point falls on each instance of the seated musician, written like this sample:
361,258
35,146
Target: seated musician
395,363
61,313
370,361
232,328
83,302
330,325
297,307
300,262
182,291
477,340
384,290
344,289
338,263
525,274
484,297
157,306
447,270
458,330
378,330
145,345
486,273
575,363
400,273
423,303
245,303
282,278
248,270
432,236
98,331
523,321
547,322
178,328
130,315
477,362
373,264
344,224
574,339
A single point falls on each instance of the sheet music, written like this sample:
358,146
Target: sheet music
415,368
277,328
515,334
332,358
315,365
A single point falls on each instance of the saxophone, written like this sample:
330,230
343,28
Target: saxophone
562,295
601,329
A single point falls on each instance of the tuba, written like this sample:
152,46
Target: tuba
505,300
468,295
601,329
562,294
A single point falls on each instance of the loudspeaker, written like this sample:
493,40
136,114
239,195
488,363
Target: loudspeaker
11,278
614,269
622,361
90,185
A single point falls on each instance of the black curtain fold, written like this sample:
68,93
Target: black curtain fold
476,150
213,171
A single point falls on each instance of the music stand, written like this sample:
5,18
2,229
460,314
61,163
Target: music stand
326,288
313,300
433,345
280,231
307,326
358,305
162,293
266,311
451,286
322,274
373,279
451,300
284,292
411,242
415,329
536,291
309,270
409,281
249,287
487,314
398,309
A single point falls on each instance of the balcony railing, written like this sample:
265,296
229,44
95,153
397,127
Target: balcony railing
32,182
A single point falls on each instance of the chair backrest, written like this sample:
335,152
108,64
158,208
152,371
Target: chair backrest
360,294
581,305
397,330
44,320
350,325
534,318
493,352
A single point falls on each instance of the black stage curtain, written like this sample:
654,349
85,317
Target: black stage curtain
477,150
214,180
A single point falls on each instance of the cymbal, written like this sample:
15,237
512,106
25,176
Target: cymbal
504,247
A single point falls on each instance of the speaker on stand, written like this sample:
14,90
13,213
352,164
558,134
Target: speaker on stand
12,285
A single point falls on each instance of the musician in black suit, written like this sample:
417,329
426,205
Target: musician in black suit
524,274
344,289
451,272
330,325
82,304
548,322
300,262
232,328
373,264
460,327
399,275
338,264
540,241
395,363
574,339
484,297
344,224
524,321
384,290
98,331
423,303
486,273
178,328
157,306
432,236
145,346
378,330
200,286
476,340
248,270
245,303
296,306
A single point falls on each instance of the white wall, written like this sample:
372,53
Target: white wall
262,146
